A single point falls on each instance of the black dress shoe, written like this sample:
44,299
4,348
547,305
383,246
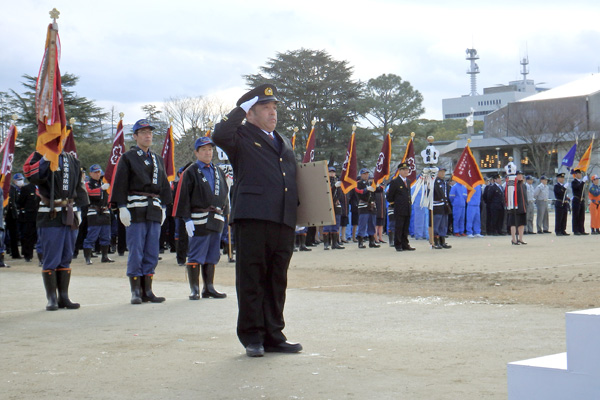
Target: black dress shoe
576,233
566,234
399,249
547,232
409,248
584,233
283,347
255,350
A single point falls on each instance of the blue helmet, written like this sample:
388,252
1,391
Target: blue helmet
95,168
203,141
18,176
142,123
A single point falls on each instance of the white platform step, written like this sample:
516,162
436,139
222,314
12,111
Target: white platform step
571,375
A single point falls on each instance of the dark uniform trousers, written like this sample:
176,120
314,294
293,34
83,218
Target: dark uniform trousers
260,318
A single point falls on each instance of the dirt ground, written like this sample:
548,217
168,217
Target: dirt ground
374,323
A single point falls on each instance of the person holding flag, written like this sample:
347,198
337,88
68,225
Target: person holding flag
578,203
58,177
141,191
468,189
118,238
202,202
561,205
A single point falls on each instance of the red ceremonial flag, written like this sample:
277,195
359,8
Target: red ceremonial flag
382,169
467,172
584,162
310,146
8,147
409,158
49,102
70,143
118,149
349,172
168,154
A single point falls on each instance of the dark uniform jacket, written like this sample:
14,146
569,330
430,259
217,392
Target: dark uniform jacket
140,183
398,195
28,203
12,210
494,196
68,189
366,199
577,188
340,203
196,201
559,194
264,176
98,212
441,204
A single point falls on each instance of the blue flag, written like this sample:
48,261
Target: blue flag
569,158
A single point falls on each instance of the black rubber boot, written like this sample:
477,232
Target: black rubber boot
303,243
208,277
360,243
87,254
372,243
443,243
113,245
105,258
147,294
335,242
193,270
2,264
49,278
136,289
326,237
63,277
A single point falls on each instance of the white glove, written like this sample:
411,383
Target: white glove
190,228
338,184
164,215
105,186
585,178
247,105
125,216
370,188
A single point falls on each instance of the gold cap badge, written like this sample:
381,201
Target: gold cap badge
268,91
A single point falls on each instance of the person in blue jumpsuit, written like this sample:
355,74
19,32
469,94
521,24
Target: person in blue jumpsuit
99,216
458,199
421,217
202,202
141,191
474,214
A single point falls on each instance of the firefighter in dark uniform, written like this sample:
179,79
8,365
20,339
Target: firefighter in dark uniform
57,221
264,207
12,214
142,192
366,204
331,232
578,202
202,202
399,198
561,206
98,215
181,237
441,208
28,204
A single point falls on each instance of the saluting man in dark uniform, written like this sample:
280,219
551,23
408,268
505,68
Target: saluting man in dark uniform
142,192
98,216
399,198
58,222
264,207
561,206
201,202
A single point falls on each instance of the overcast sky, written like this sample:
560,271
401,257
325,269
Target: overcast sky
131,53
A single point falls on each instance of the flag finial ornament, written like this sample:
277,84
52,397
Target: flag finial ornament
72,121
313,122
121,115
390,131
210,124
14,117
468,141
430,139
353,128
54,14
296,129
412,134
